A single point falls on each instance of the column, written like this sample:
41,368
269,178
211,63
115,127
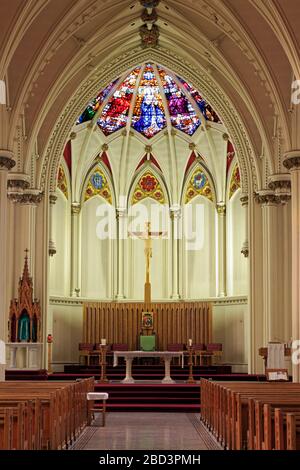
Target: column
292,162
26,202
52,247
221,211
269,203
6,164
245,248
121,214
75,251
175,213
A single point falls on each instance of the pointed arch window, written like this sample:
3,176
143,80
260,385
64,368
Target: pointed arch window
148,99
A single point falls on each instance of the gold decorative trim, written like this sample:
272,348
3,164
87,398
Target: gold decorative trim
199,185
148,186
62,184
235,182
98,186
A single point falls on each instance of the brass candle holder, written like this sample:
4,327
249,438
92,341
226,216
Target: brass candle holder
103,352
191,379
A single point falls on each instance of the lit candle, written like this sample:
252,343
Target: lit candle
103,342
190,342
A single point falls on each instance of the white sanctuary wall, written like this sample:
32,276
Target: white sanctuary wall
200,261
96,254
237,264
60,262
65,323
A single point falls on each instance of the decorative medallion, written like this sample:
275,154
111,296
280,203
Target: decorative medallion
62,182
235,182
98,186
148,186
198,185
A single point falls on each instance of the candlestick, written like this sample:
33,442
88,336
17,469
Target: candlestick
191,379
103,349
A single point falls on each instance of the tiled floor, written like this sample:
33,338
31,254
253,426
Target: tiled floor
147,431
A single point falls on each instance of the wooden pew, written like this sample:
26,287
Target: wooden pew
59,411
232,415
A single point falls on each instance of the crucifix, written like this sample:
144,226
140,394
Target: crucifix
147,235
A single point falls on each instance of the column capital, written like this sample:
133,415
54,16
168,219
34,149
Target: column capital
291,160
52,199
221,208
121,212
244,199
52,248
6,160
75,208
175,211
267,197
280,183
18,182
27,197
245,249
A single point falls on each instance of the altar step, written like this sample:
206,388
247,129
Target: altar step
152,397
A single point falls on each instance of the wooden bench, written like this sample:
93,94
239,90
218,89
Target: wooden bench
233,410
54,413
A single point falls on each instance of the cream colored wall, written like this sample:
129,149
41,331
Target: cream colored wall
60,263
200,264
96,254
229,328
237,264
65,322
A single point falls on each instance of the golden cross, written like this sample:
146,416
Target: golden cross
147,235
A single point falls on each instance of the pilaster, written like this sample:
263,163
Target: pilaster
121,216
222,283
52,246
175,214
292,163
75,250
6,164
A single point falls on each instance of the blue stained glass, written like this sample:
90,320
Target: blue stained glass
182,113
97,181
148,115
204,107
158,98
95,104
115,114
199,181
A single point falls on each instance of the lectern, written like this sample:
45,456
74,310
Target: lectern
263,352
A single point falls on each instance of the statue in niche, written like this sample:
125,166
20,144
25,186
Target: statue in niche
24,327
25,311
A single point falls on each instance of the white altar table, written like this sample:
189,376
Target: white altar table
130,355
